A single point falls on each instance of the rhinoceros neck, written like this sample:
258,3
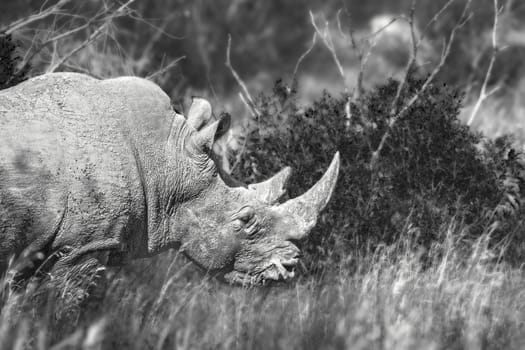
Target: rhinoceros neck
159,164
156,136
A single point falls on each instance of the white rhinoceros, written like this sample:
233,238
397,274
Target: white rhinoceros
107,170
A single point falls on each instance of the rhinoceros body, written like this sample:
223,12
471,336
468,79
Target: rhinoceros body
107,168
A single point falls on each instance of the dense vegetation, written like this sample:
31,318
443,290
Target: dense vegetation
10,72
432,170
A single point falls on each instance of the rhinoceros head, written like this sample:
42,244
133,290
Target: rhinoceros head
243,232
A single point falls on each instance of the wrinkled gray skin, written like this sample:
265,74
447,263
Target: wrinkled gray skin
106,169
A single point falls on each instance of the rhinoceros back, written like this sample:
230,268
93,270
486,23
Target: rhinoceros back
70,152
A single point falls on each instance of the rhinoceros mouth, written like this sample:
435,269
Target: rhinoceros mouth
275,269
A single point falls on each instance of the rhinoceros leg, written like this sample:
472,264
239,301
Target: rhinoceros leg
76,279
31,258
100,249
73,288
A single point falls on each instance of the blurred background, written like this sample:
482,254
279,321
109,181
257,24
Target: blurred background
182,45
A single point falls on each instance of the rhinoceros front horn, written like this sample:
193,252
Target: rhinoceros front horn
307,207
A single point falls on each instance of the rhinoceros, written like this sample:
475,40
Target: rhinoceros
108,170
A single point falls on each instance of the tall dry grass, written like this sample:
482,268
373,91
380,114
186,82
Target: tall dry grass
464,299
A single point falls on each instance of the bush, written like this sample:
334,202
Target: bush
432,170
10,73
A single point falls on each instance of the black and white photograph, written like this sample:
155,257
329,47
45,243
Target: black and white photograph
262,174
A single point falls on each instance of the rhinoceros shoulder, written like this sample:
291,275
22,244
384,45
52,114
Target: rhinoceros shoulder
127,89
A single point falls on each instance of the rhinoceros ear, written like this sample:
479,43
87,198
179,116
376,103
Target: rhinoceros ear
205,137
199,114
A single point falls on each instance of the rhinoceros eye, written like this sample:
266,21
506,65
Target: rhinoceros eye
245,214
245,220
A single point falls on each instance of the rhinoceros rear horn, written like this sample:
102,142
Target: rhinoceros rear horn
205,137
273,189
307,207
199,114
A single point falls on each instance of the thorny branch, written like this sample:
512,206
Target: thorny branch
395,114
484,94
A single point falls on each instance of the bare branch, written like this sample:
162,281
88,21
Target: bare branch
166,68
92,37
77,68
483,94
31,53
162,29
245,94
239,155
85,43
55,9
303,56
145,56
435,18
409,67
362,54
380,30
68,33
394,113
248,105
327,40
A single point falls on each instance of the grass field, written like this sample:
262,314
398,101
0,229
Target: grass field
465,299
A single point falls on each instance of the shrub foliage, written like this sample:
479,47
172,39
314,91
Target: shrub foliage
432,169
10,73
